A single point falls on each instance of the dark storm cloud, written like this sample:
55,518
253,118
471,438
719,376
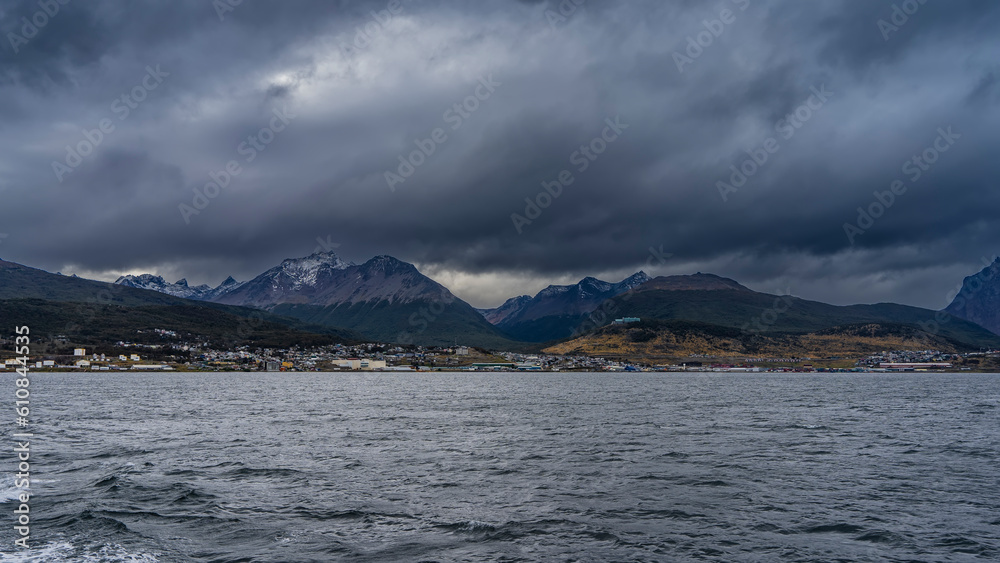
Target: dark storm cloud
363,84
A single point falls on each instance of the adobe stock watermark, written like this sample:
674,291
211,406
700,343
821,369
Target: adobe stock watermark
914,168
422,319
223,7
23,438
564,11
456,116
3,236
31,27
245,328
714,28
325,245
766,320
899,17
657,257
760,155
122,106
249,148
582,158
376,25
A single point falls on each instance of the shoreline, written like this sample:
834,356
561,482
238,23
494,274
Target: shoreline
185,369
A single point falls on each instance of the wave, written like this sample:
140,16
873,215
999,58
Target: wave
263,472
8,492
59,552
840,528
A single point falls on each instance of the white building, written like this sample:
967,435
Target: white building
79,351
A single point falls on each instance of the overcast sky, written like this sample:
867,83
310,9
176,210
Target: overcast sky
868,85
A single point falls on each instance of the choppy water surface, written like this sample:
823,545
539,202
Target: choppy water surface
511,467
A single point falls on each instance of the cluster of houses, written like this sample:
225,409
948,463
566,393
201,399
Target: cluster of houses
390,357
339,357
94,362
923,360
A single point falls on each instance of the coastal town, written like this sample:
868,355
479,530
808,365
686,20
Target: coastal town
177,355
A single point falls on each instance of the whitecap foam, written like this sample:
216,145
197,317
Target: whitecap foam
8,492
59,552
49,552
477,526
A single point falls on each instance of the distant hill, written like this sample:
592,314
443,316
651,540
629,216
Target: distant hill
23,282
556,310
693,282
662,341
979,299
87,311
388,300
93,324
741,308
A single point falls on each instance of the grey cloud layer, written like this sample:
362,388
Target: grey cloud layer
359,109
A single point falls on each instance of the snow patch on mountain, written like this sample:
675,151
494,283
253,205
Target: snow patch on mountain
305,272
510,307
180,289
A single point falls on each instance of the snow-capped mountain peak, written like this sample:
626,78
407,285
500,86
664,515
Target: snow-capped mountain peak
635,279
307,271
593,285
202,292
324,279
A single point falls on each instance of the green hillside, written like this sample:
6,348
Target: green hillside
656,341
773,314
410,323
22,282
93,324
545,329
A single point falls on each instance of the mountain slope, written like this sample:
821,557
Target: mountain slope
94,324
23,282
755,312
557,309
979,299
303,280
699,281
660,341
509,307
86,311
383,299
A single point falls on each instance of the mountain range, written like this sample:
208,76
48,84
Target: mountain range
558,309
92,312
386,299
179,288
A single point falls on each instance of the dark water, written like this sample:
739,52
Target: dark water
511,467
